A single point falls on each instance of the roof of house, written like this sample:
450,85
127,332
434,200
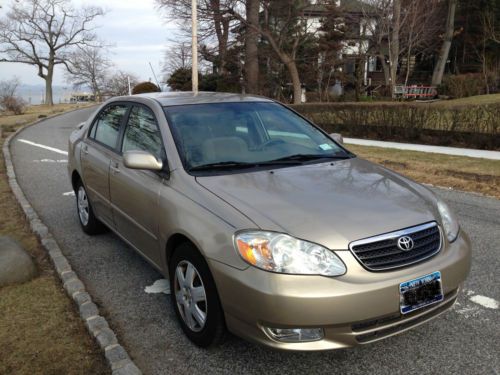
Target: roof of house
348,6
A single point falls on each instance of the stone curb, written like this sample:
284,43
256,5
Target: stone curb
116,356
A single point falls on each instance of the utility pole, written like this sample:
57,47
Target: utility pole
194,42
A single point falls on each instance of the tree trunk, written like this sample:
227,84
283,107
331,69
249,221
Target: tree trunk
394,44
437,76
96,91
48,91
485,72
221,26
251,48
48,87
385,69
408,61
294,74
48,80
358,77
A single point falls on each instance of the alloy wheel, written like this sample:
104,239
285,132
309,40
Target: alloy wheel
83,205
190,296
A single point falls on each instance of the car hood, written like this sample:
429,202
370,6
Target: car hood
330,204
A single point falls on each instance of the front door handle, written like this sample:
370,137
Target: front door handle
115,168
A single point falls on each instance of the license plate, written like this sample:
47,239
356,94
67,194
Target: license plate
420,292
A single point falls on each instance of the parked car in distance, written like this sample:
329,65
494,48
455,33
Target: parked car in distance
263,223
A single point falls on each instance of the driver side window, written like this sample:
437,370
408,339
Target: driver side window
142,133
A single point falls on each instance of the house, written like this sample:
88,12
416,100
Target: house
358,21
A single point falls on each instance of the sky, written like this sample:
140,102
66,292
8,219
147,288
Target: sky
135,29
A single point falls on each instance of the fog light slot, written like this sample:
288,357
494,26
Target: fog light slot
296,334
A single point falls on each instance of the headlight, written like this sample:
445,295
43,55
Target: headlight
450,222
279,252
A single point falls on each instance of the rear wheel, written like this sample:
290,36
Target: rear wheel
194,297
89,222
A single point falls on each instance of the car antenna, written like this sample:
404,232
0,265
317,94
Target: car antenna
154,75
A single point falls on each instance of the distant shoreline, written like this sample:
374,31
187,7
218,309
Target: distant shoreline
35,94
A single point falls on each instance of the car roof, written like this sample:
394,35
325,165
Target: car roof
189,97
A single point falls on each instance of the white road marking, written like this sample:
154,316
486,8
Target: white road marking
468,312
43,146
159,286
69,194
472,310
487,302
50,161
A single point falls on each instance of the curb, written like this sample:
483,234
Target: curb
116,356
431,149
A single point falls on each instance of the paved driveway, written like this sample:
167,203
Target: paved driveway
465,340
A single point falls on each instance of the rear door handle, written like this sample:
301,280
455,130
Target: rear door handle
85,149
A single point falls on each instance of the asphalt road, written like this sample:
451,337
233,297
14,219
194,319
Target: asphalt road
465,340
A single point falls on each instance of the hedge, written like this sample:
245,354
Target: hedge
476,126
145,87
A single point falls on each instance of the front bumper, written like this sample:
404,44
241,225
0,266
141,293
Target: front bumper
356,308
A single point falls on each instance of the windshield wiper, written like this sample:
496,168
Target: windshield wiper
239,165
222,165
291,159
308,157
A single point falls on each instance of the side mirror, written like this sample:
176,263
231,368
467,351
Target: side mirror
337,137
142,160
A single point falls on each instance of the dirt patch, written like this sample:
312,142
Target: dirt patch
393,164
472,176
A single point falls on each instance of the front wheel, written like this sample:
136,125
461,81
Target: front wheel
89,222
195,297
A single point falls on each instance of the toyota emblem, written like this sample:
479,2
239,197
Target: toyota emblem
405,243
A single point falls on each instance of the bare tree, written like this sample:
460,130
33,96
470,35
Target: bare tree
400,29
214,22
117,83
177,56
43,33
489,35
284,25
381,32
9,87
88,66
437,75
251,47
9,101
419,31
490,24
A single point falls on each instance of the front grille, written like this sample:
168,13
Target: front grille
381,253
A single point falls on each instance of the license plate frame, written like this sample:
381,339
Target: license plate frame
420,292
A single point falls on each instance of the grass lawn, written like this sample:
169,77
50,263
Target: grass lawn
471,100
40,329
458,172
9,122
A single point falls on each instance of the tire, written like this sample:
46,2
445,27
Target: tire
191,305
89,222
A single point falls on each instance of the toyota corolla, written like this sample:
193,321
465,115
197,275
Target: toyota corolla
265,225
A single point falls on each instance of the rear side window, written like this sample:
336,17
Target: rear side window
107,127
142,132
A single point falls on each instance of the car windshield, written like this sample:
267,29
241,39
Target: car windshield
241,135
